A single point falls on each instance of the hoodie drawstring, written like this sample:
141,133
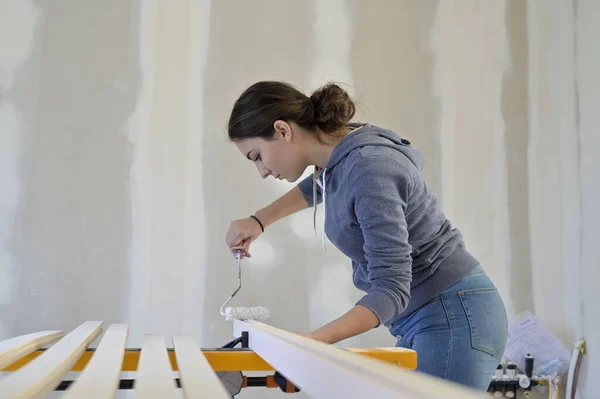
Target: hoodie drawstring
323,188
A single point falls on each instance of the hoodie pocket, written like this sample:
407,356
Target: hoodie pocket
487,319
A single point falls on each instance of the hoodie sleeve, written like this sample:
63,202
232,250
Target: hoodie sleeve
306,186
378,190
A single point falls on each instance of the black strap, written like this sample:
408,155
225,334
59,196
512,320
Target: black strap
259,222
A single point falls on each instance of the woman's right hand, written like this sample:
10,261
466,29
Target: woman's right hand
241,234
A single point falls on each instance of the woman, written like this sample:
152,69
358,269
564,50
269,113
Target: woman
419,279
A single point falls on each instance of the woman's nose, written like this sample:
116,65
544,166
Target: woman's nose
264,172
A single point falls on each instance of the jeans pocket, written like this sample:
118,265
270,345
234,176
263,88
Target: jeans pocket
487,319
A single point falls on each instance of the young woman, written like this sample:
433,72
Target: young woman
419,279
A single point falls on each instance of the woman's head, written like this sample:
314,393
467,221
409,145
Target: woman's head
272,124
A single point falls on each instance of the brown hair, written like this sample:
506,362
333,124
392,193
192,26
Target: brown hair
328,109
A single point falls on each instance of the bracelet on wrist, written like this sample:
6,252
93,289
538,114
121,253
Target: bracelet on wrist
262,227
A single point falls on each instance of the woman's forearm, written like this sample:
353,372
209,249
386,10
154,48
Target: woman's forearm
356,321
289,203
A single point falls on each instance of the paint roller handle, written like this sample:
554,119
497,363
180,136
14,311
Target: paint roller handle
241,234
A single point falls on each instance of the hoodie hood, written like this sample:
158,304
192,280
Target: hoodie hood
369,135
361,136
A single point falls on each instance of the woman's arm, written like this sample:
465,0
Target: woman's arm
356,321
243,232
289,203
378,192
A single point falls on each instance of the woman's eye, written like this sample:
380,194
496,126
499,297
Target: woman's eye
258,158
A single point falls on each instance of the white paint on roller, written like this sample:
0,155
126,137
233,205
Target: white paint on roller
263,255
246,313
471,54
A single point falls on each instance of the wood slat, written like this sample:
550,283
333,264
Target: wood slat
323,371
100,378
198,379
39,377
155,378
15,348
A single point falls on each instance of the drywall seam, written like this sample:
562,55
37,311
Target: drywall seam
533,171
580,310
442,83
18,21
570,173
552,165
588,79
195,228
470,45
332,38
141,175
167,261
332,33
495,14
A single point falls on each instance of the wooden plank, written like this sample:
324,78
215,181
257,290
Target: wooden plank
323,371
155,378
42,375
232,359
100,378
198,379
15,348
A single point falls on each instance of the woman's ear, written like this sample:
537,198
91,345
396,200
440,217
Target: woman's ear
283,130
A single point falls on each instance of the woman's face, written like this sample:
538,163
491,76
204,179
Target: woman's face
280,157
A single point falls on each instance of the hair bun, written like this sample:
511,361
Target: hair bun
333,107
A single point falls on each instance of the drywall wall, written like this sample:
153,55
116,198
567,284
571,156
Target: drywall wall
119,183
563,160
167,255
587,75
552,123
18,18
73,87
470,42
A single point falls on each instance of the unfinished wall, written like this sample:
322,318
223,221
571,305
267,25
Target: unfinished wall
74,83
168,248
564,61
470,42
20,18
587,75
118,183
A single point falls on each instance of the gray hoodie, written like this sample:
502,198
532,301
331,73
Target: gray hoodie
378,211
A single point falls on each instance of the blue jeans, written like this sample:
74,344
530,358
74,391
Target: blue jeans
459,335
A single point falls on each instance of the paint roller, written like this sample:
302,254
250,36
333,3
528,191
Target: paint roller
242,312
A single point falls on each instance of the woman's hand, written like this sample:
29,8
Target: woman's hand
356,321
240,235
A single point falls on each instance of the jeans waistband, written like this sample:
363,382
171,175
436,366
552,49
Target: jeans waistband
477,271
